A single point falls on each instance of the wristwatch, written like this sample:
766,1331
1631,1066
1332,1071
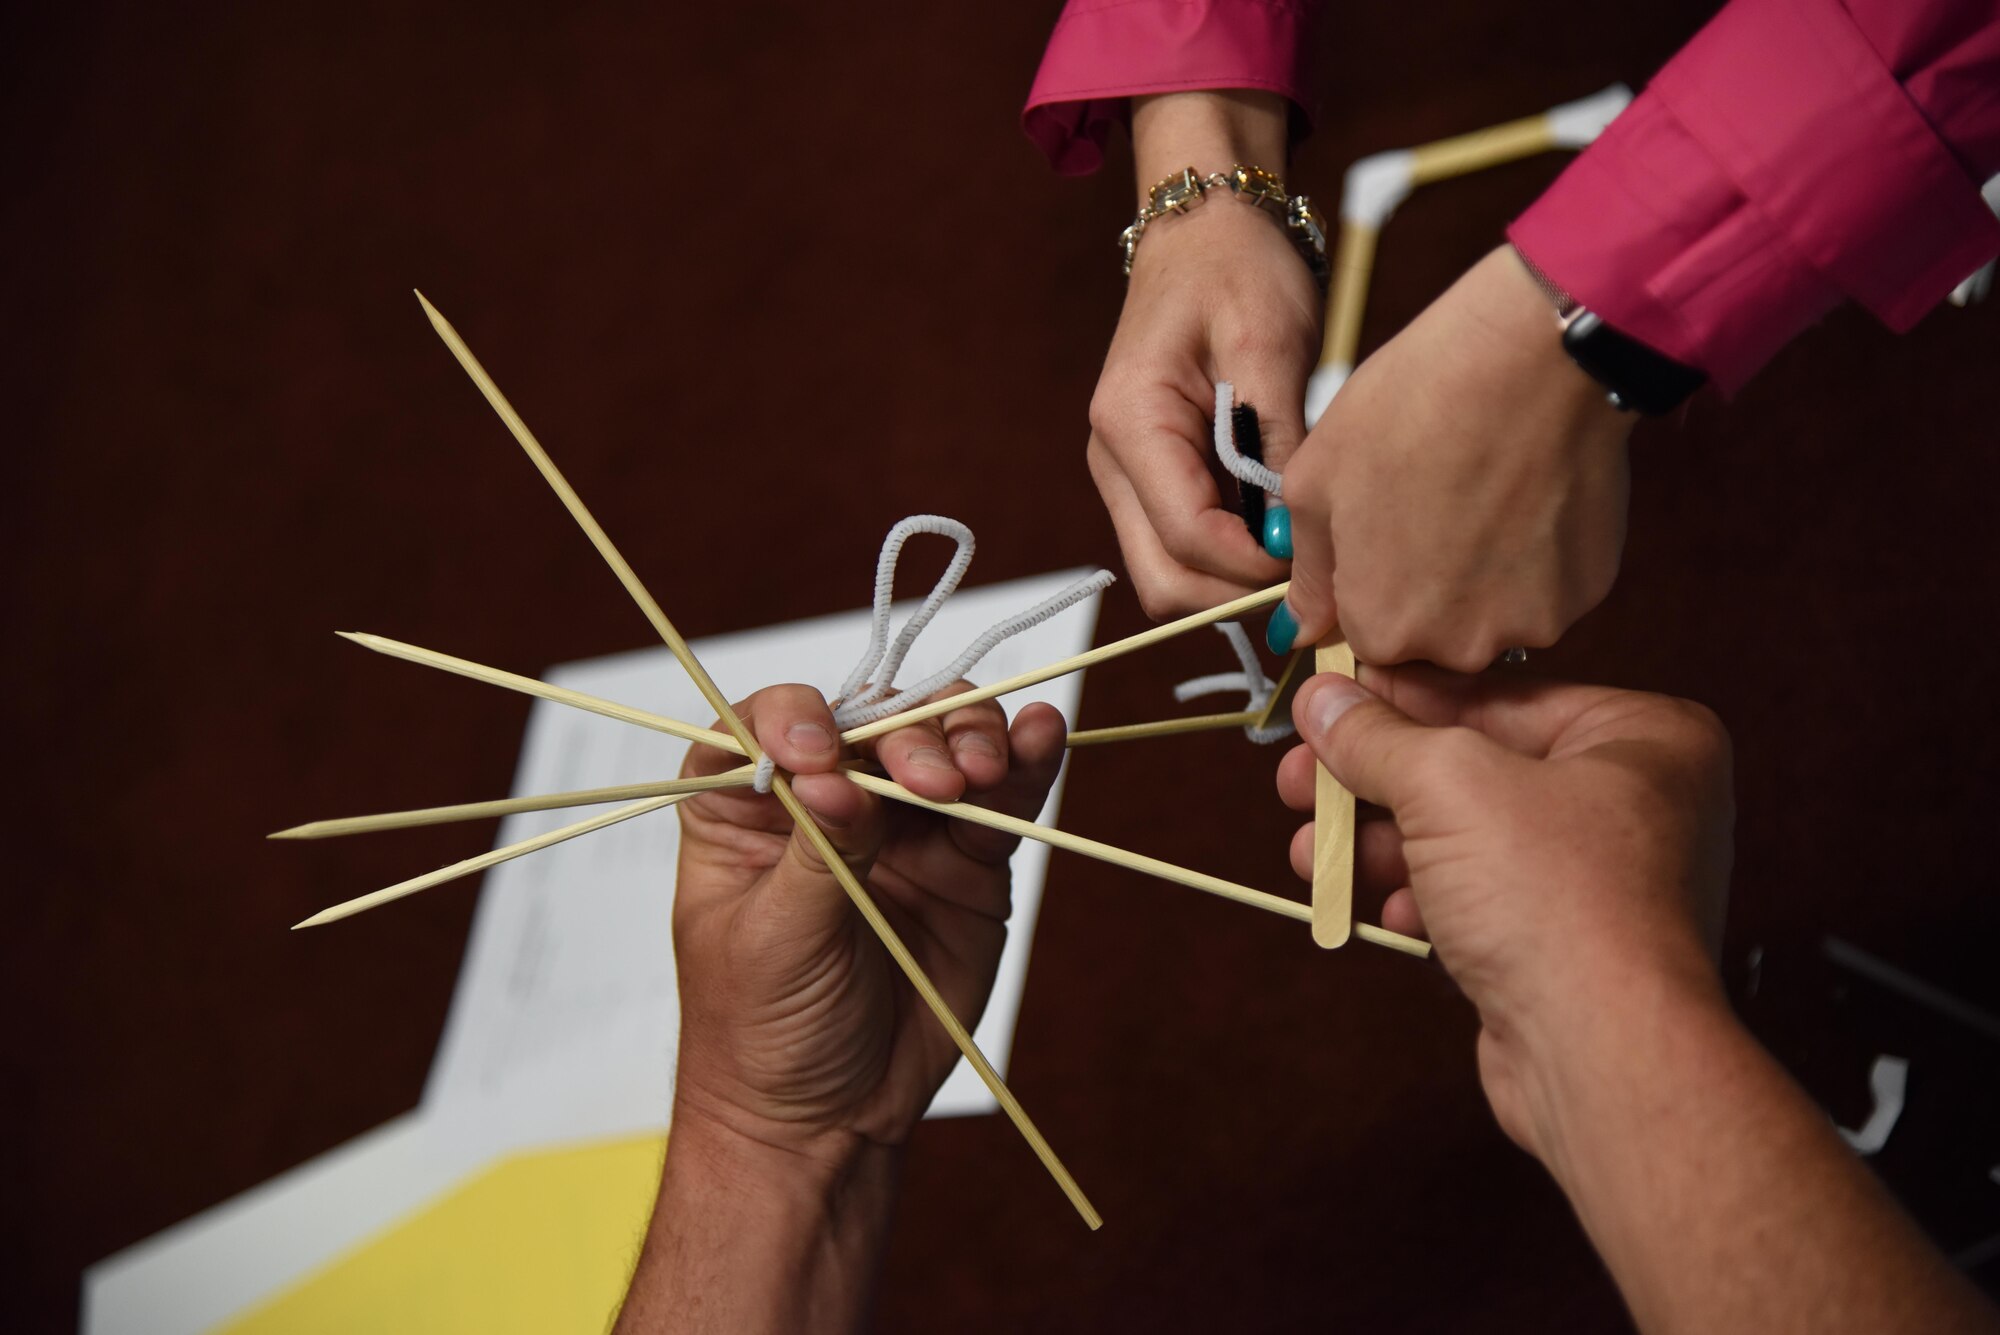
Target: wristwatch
1638,378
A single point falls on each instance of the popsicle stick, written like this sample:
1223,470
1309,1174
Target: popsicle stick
1281,693
1333,830
1089,658
492,858
1127,732
1139,862
780,787
508,806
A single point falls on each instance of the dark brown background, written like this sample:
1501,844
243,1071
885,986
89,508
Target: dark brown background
768,278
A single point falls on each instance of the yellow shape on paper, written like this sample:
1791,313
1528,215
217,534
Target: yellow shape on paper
539,1242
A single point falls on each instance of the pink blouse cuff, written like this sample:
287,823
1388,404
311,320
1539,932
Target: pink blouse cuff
1104,52
1774,168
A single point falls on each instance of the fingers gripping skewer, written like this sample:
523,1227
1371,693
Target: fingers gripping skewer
780,788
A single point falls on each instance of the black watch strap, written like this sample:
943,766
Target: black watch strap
1638,378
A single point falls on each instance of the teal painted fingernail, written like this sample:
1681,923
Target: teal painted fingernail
1278,532
1284,628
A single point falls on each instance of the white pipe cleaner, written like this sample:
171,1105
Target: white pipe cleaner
1241,467
1250,679
869,692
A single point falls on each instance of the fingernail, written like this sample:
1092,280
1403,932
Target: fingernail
1284,628
809,737
1278,532
978,744
930,757
1333,696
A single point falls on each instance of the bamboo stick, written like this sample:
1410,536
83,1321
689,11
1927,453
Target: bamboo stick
1477,150
1128,732
1354,262
1333,830
562,695
1279,698
779,786
1139,862
509,806
491,858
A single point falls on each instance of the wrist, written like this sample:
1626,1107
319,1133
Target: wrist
1211,130
1590,1055
758,1237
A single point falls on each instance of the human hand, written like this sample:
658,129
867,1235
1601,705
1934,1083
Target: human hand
1466,490
797,1029
1566,848
1218,293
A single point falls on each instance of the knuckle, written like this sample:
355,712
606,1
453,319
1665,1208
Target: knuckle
1161,599
1110,407
1708,740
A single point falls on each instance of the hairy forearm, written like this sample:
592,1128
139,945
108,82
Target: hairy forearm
751,1239
1719,1196
1209,131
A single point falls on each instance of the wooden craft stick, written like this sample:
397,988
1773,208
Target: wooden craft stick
1281,693
485,860
1089,658
1333,830
779,786
1139,862
1128,732
508,806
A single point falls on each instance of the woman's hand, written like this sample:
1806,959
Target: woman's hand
1217,293
1464,493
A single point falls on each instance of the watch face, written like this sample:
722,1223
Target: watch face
1637,376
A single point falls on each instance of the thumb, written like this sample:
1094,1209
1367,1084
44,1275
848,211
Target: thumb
1376,751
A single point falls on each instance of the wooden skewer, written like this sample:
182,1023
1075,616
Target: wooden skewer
1127,732
780,787
1333,830
1089,658
1354,259
485,860
1089,848
1479,149
1139,862
513,681
1280,696
1246,718
508,806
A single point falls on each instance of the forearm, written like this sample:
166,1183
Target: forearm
1209,131
1720,1198
748,1239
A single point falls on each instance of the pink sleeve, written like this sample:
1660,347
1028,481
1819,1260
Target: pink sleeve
1794,155
1104,52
